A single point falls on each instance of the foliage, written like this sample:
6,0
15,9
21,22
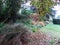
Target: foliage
9,8
26,12
42,6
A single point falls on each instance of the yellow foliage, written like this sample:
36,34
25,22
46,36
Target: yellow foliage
42,6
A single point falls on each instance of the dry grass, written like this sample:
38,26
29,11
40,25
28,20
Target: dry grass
26,38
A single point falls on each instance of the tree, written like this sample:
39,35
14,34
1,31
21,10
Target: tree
9,8
42,6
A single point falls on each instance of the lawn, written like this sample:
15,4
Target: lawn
51,29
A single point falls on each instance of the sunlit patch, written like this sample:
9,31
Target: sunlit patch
57,9
26,6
